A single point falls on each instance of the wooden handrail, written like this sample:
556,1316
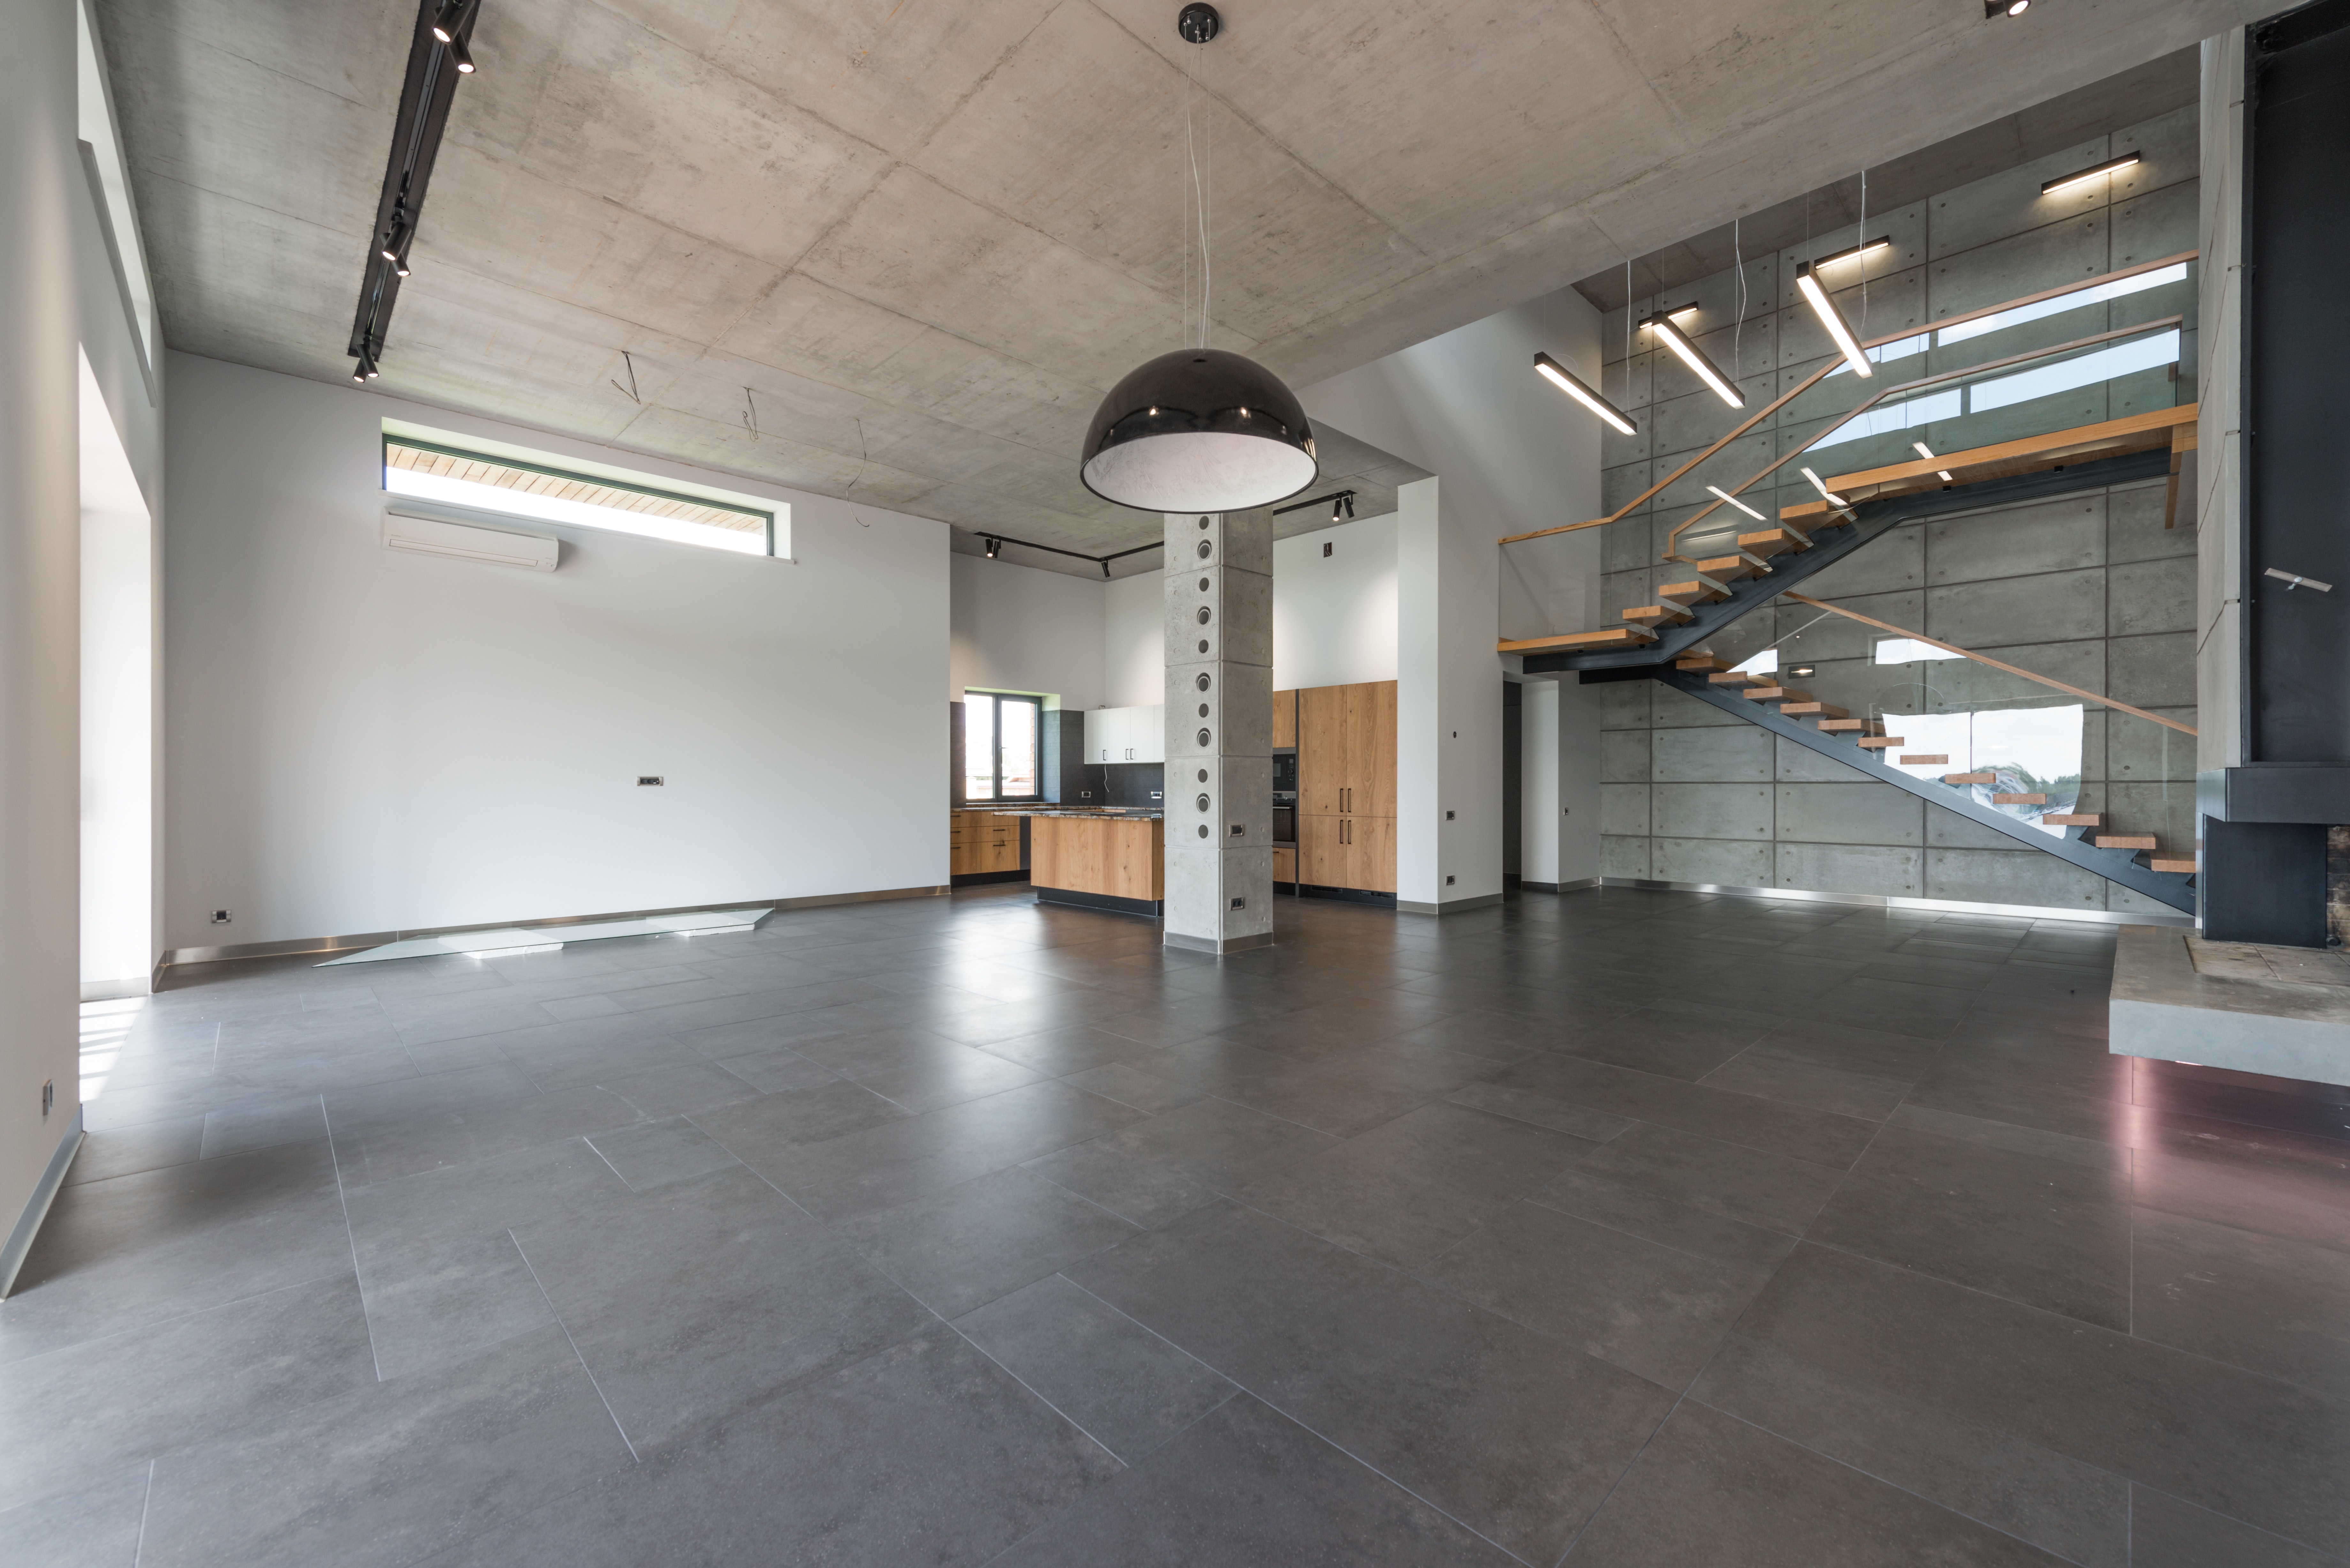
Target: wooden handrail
1980,658
1825,371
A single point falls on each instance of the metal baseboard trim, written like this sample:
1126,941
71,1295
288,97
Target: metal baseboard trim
1209,945
1344,894
1450,906
1149,908
1886,901
174,957
1576,886
982,878
36,1207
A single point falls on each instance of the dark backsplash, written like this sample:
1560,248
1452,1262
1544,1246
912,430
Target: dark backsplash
1122,784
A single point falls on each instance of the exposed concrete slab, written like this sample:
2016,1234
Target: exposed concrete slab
2225,1004
928,237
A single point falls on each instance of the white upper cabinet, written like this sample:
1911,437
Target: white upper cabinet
1125,734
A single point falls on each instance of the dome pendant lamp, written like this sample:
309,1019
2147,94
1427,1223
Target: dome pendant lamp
1202,429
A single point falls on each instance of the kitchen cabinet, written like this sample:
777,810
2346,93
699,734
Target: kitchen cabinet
1137,734
1346,786
980,841
1284,719
1285,864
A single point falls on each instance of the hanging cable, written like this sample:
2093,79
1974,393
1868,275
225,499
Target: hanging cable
1737,333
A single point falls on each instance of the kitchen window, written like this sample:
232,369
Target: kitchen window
1002,756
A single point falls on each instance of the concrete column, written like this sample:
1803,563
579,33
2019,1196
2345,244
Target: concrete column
1219,620
1448,708
2216,465
1538,807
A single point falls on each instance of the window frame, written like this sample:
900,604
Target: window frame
441,449
996,751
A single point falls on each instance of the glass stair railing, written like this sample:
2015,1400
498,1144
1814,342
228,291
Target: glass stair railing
2019,392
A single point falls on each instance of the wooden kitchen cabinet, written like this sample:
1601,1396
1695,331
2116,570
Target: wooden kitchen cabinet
1322,851
1346,785
1285,864
1371,854
1371,765
1321,751
1284,719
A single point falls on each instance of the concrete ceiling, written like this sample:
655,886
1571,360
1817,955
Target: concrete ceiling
922,238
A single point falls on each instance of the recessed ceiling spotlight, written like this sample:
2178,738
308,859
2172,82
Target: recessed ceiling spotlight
2095,171
1833,319
1567,381
1665,327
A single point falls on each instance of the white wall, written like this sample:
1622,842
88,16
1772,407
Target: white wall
1017,628
364,741
1134,641
120,888
1334,616
41,185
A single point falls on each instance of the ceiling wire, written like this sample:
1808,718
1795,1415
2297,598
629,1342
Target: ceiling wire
1738,334
1195,200
1860,238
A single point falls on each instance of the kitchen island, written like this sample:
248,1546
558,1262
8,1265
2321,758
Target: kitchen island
1097,859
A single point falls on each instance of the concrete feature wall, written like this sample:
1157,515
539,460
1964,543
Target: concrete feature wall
1016,629
2089,588
361,740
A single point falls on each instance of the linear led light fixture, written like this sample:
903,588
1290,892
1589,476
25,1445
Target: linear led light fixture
1666,327
1882,241
1807,280
1567,381
2082,177
1725,495
1925,452
1820,484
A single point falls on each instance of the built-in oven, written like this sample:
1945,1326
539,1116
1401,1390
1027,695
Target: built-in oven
1285,797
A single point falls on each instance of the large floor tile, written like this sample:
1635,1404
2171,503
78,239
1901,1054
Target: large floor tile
1645,1307
688,1301
1772,1126
390,1473
972,1243
2257,1300
1713,1488
1514,1435
97,1525
2049,1233
1246,1484
2023,1418
1407,1190
431,1305
1733,1181
1125,1385
926,1452
2168,1533
1155,1170
162,1243
94,1407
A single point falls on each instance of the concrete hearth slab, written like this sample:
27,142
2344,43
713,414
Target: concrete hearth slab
2280,1011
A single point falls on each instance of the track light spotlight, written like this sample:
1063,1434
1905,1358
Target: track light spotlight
2005,8
395,242
992,546
1104,569
365,371
457,52
1567,381
1674,338
1807,280
1350,505
1337,505
454,14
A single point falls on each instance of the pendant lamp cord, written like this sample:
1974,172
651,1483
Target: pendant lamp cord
1196,189
1860,238
1737,333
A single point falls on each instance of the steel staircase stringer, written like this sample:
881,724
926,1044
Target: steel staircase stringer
1875,519
2171,888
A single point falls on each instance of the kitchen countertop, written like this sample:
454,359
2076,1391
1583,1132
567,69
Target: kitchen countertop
1111,813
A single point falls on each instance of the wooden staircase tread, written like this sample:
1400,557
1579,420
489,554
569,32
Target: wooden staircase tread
1700,590
1846,726
2169,863
1878,742
1774,542
1924,759
1738,678
1729,568
1813,707
2109,438
1776,694
1700,662
1969,778
2019,800
2075,819
1612,636
2126,841
1649,615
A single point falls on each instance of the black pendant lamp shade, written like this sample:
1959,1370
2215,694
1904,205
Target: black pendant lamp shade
1199,430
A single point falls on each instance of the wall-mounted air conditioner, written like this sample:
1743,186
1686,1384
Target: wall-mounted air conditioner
424,536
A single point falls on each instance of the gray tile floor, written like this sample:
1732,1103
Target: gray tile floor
1619,1227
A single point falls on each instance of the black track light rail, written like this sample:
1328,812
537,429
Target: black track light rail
1101,561
433,72
1346,496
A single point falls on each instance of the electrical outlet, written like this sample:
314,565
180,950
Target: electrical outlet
221,917
1450,815
1240,903
1449,880
650,781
